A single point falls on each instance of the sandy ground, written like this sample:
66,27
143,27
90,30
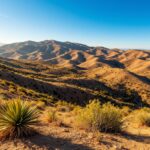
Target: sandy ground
54,137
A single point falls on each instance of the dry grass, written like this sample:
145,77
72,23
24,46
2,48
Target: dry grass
49,116
64,106
142,117
107,117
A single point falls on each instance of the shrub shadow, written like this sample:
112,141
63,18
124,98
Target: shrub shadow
52,143
137,138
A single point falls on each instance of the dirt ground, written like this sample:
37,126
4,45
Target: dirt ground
54,137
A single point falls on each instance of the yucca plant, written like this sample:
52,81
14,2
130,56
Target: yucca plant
16,119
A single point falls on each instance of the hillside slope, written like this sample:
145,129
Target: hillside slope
78,55
86,72
32,80
68,79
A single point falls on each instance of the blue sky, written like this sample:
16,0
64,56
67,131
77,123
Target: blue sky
110,23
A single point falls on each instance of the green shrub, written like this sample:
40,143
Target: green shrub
16,119
94,116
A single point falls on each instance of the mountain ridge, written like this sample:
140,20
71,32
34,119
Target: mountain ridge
78,55
131,68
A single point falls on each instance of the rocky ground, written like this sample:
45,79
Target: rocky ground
61,137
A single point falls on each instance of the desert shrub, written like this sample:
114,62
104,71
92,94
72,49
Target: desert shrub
125,111
31,92
63,109
2,102
12,89
77,110
86,117
4,82
146,109
50,116
46,99
40,104
142,117
21,90
3,96
64,106
17,119
94,116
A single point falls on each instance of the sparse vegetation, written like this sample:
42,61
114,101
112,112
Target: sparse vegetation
50,116
94,116
142,117
61,96
125,111
64,106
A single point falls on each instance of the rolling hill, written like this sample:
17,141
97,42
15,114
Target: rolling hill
79,55
59,79
86,72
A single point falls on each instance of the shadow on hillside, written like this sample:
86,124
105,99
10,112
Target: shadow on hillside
128,95
121,93
141,78
112,63
88,83
70,94
53,143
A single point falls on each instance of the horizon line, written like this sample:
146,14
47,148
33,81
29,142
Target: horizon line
3,43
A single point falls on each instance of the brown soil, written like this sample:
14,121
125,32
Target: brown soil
54,137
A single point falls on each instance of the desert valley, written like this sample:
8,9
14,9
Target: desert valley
84,97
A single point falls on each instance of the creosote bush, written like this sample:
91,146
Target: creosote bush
106,118
17,119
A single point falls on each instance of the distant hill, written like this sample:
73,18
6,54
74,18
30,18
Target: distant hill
118,69
79,55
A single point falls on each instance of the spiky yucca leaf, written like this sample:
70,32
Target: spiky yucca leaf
16,119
